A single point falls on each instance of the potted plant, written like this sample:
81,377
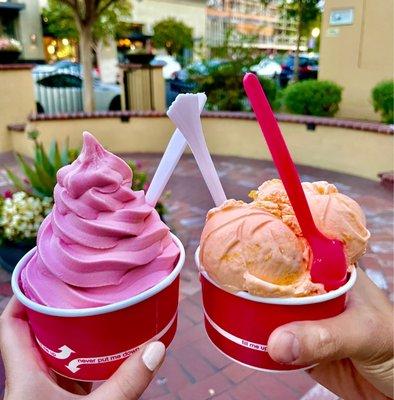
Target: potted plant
23,208
21,216
10,50
139,56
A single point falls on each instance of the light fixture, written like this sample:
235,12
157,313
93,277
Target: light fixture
65,42
315,32
51,49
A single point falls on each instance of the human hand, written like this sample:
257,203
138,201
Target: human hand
354,349
28,377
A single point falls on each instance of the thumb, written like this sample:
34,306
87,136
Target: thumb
133,376
310,342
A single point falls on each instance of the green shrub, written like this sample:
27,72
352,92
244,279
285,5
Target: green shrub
310,97
271,91
222,84
383,100
224,88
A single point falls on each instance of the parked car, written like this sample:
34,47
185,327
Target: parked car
169,64
63,65
308,68
61,92
59,65
267,68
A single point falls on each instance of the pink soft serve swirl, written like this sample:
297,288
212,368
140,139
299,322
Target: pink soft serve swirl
102,242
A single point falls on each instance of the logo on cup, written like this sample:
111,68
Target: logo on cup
64,352
235,339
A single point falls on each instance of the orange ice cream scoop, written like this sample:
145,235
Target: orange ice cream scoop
336,215
244,247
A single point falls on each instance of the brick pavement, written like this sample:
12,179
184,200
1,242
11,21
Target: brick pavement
193,369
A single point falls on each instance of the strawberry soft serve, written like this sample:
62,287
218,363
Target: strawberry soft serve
104,278
102,243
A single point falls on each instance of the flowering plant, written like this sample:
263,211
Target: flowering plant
21,215
7,44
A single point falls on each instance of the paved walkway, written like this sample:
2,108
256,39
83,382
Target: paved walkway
193,369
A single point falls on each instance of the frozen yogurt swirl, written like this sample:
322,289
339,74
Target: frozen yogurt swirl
102,242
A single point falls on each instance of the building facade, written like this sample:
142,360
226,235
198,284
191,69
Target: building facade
248,17
21,20
357,51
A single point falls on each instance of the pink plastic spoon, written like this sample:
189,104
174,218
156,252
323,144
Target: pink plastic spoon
328,262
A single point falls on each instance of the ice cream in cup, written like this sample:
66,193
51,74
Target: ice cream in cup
254,267
104,277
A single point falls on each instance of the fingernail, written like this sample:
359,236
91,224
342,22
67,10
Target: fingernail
153,355
286,347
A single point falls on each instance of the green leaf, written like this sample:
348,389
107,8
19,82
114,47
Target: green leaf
18,184
46,164
48,182
58,159
31,174
65,159
52,150
37,154
55,157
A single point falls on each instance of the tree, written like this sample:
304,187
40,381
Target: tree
224,72
88,21
172,35
304,12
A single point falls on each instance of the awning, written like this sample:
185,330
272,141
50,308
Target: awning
11,9
139,36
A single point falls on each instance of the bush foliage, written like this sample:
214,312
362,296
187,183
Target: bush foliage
383,100
310,97
224,89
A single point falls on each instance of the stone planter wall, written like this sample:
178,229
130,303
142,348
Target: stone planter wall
16,99
354,147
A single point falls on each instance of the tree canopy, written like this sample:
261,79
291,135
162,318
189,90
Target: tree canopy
60,20
304,13
89,21
172,35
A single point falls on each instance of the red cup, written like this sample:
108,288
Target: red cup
89,344
239,324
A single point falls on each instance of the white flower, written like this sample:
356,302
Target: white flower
8,232
22,227
21,215
18,196
28,215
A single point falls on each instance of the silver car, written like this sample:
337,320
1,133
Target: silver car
60,91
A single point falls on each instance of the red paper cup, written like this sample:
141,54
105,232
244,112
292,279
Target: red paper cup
239,324
89,344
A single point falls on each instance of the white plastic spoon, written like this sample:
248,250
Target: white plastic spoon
184,113
175,148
